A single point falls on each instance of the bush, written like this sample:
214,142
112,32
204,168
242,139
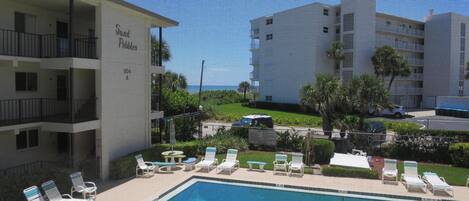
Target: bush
124,167
178,102
350,172
289,141
11,186
288,107
460,154
323,150
219,97
223,141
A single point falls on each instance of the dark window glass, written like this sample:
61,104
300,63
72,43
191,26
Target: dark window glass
33,136
268,98
32,81
463,29
349,20
20,22
269,37
325,29
325,12
269,21
22,140
20,80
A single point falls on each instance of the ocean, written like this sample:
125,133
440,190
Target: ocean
195,88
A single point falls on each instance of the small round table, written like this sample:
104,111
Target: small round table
173,154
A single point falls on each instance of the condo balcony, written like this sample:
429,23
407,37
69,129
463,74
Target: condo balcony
253,61
401,45
19,111
412,76
13,43
414,61
400,30
406,91
338,19
255,33
254,75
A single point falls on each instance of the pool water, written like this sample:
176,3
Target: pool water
202,190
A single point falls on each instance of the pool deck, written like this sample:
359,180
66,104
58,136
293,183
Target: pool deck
146,189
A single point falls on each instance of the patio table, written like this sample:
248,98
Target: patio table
173,154
259,163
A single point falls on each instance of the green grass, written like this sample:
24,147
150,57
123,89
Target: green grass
235,111
453,175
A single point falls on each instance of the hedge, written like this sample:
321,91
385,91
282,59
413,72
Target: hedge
350,172
287,107
323,150
460,154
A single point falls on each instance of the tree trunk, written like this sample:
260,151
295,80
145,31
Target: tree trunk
327,127
244,94
391,81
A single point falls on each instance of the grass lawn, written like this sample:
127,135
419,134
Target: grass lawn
453,175
234,112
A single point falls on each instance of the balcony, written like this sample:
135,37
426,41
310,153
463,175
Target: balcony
255,33
155,102
338,19
406,91
20,44
253,61
401,45
19,111
400,30
414,61
254,76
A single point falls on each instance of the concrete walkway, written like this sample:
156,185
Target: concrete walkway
146,189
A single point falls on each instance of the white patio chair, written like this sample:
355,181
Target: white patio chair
410,178
146,168
389,170
87,189
230,162
280,163
53,194
209,160
296,164
33,194
436,183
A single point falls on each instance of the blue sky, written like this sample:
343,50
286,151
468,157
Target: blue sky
218,31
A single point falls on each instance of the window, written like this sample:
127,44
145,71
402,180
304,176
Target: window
348,22
461,58
268,98
463,30
27,139
463,44
348,41
25,23
26,81
348,60
325,12
269,21
269,36
325,29
388,23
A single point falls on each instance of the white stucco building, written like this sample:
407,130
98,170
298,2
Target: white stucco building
75,81
289,49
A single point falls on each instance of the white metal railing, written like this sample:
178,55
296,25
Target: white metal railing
412,76
253,61
338,19
400,30
414,61
403,45
254,32
255,46
406,91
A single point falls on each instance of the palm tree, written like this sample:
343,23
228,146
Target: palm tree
325,97
174,81
467,73
155,45
388,62
368,91
244,87
336,52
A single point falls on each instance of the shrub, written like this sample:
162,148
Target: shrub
460,154
11,186
287,107
323,150
223,141
124,167
219,97
350,172
177,102
289,141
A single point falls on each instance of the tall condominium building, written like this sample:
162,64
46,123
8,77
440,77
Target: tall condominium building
75,82
289,49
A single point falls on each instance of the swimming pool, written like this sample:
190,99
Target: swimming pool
211,190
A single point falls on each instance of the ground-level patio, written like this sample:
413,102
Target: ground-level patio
146,189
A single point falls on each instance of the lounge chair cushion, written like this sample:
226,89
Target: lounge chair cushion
390,173
205,163
413,180
190,160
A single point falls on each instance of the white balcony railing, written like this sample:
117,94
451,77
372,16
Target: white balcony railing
414,61
402,45
412,76
253,61
400,30
254,33
406,91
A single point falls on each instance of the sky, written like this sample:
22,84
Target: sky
217,31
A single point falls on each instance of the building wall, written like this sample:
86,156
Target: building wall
123,84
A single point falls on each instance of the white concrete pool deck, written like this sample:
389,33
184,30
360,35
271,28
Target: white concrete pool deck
146,189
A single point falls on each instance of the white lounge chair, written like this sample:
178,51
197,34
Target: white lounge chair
358,152
33,194
389,170
87,189
146,168
296,164
230,162
436,183
209,160
53,194
280,163
410,178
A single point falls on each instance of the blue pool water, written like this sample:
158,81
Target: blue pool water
208,191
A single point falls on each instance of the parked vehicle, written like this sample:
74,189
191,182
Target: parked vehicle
255,120
397,111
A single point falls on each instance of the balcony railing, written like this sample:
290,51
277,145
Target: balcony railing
254,32
155,104
400,30
406,91
414,61
18,111
14,43
401,45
